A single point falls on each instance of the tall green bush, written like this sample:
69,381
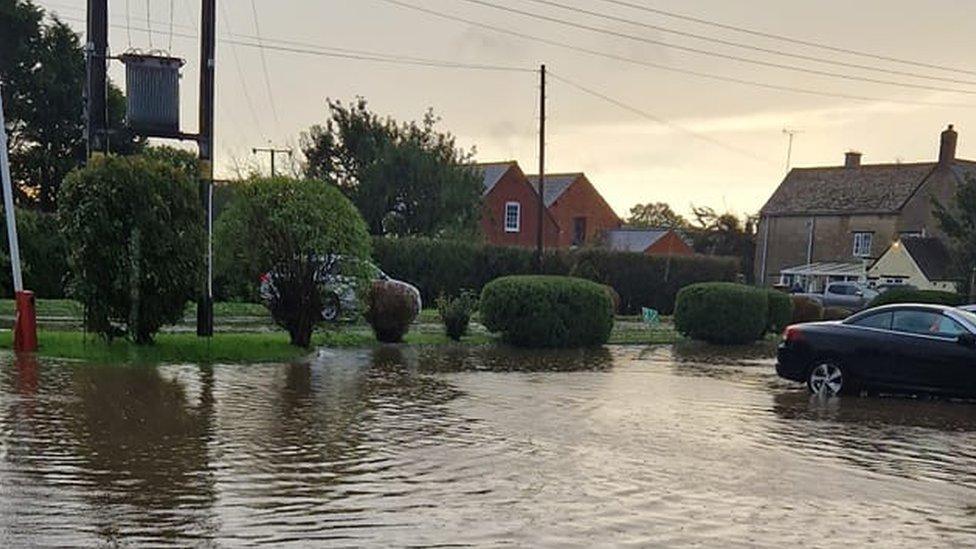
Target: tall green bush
651,281
300,231
43,255
908,295
135,237
547,311
722,312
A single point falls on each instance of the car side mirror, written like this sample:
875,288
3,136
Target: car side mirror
859,293
967,340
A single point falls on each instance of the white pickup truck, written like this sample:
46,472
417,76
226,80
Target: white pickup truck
849,295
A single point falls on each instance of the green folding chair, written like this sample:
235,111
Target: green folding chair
651,317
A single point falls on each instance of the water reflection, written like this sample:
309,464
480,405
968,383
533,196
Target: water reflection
894,436
472,446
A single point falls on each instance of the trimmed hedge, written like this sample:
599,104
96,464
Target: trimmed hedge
547,311
447,266
806,310
908,295
780,310
651,281
722,312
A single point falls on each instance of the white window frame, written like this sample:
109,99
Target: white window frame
863,241
517,227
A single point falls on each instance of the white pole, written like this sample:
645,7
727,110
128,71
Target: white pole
8,204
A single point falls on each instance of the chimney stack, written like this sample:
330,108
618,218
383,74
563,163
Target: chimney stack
852,159
947,149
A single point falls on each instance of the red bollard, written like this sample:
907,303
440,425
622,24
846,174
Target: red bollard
25,325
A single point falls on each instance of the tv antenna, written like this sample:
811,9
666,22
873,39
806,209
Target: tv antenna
791,133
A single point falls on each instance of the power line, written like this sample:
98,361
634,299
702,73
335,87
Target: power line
264,63
750,47
348,53
240,72
657,119
810,43
659,66
711,53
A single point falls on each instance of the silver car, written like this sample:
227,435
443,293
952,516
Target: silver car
340,298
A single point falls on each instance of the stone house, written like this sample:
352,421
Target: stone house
832,223
575,213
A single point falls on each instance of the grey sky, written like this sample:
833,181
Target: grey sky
628,157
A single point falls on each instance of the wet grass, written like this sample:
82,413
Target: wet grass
169,348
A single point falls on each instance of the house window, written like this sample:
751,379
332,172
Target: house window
513,217
579,231
862,244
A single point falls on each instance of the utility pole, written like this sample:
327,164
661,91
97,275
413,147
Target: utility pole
205,140
272,152
540,244
96,60
789,149
25,323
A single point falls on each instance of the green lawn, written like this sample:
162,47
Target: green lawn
68,308
170,348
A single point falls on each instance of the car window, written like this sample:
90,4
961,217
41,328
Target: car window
837,289
880,320
926,323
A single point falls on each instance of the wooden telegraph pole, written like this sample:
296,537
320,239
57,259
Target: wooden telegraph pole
205,140
96,89
540,244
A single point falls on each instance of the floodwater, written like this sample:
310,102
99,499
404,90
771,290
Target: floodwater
623,446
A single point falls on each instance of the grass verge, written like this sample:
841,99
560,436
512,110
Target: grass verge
169,348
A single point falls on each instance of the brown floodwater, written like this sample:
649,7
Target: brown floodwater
625,446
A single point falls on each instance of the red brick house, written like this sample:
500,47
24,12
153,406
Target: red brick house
575,212
649,241
581,213
511,203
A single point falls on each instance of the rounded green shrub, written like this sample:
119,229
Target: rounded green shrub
780,312
836,313
547,311
806,310
908,295
391,306
722,312
135,238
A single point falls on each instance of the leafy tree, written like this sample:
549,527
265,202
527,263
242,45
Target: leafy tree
299,231
134,229
656,214
958,222
406,179
725,234
42,67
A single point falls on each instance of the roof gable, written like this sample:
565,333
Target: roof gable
492,173
556,185
931,256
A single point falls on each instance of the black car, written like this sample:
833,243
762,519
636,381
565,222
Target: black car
902,348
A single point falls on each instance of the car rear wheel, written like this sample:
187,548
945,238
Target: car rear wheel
330,309
828,379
